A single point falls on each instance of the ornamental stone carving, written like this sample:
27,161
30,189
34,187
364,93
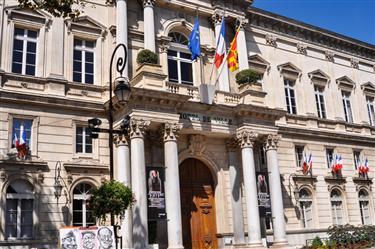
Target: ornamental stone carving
246,138
354,63
329,55
271,141
302,48
3,175
197,144
120,140
216,17
138,128
271,40
241,23
171,131
148,3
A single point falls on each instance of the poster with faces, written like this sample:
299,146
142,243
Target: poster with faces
101,237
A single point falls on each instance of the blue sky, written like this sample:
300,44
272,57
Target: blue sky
353,18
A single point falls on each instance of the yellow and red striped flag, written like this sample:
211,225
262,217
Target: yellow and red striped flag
233,54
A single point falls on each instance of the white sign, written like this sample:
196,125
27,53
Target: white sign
101,237
206,119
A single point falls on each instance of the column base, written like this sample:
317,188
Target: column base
175,247
281,245
249,246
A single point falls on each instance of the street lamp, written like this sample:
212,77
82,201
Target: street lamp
57,184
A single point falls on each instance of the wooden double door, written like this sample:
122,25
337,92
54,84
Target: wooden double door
197,206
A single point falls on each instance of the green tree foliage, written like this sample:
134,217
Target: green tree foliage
112,197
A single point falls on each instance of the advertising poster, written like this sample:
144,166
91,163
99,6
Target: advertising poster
155,193
264,200
101,237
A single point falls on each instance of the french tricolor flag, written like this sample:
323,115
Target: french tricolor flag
20,143
220,47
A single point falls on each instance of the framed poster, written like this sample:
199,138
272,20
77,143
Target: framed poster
155,193
101,237
264,201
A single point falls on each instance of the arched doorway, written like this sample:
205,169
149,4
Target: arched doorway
197,205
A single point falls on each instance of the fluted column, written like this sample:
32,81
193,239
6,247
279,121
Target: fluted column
277,207
122,27
241,43
246,139
236,197
138,179
222,75
172,187
149,25
123,175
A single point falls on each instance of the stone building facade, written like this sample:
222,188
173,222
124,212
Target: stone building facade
214,160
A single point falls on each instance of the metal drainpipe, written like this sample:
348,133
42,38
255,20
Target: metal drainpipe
1,32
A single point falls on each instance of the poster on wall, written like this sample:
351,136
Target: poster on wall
155,193
264,200
101,237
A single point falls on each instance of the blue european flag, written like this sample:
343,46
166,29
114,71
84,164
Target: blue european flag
195,41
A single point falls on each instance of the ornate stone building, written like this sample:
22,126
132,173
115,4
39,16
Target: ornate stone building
203,173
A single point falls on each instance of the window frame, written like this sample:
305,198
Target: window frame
355,151
348,114
368,200
84,197
320,101
370,102
302,201
334,209
95,142
299,161
83,49
288,88
329,162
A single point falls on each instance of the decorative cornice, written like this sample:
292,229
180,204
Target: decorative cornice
271,141
171,131
246,138
138,128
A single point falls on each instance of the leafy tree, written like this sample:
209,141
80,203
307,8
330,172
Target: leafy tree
58,8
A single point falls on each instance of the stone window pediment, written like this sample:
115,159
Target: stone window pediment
258,64
319,77
29,18
86,27
345,83
368,88
289,70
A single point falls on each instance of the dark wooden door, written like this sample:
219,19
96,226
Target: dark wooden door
197,206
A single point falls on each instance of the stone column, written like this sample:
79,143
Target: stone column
122,27
277,207
138,180
236,197
149,25
241,43
172,187
123,175
222,76
246,139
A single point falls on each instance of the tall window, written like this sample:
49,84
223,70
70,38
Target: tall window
83,140
329,156
356,157
82,214
347,106
21,129
180,67
83,61
24,51
298,150
319,99
336,207
371,110
262,158
290,96
305,202
19,210
364,207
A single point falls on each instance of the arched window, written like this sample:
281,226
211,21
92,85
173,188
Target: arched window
82,214
337,207
180,67
364,207
19,210
305,203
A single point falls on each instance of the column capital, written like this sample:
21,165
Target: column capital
138,128
241,23
148,3
271,141
216,17
171,131
120,140
231,144
246,138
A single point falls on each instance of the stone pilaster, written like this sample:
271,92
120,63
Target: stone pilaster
243,61
172,186
277,207
138,180
149,24
246,140
236,196
123,175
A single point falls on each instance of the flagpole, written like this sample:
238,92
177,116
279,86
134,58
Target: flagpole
200,57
